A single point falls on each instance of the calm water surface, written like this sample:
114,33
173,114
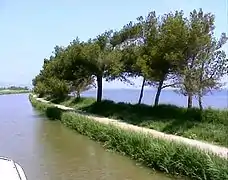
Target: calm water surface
218,99
49,151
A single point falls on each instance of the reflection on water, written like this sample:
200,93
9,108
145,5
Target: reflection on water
49,151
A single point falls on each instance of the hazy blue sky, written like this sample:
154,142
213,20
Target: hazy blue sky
30,29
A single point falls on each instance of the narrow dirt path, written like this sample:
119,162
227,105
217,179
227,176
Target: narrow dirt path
219,150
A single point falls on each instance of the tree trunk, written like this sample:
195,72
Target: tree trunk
159,89
141,92
200,102
200,95
99,88
78,94
189,100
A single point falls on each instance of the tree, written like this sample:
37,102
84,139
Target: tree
213,66
40,89
204,62
163,50
57,88
132,39
49,81
101,60
144,26
167,51
81,84
73,67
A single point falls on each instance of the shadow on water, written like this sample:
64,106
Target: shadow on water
86,158
48,150
69,155
53,113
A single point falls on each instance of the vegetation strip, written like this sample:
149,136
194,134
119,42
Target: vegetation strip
221,151
13,90
3,92
209,125
163,155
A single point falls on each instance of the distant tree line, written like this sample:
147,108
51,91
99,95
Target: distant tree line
14,88
166,51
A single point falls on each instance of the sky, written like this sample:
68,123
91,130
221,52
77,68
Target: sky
30,29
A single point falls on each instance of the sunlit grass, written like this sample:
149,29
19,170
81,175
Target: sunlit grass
208,125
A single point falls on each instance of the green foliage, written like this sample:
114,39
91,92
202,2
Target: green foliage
79,85
57,88
80,63
208,125
169,157
205,63
167,51
164,45
40,89
52,87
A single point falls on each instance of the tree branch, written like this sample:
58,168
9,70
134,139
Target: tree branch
169,85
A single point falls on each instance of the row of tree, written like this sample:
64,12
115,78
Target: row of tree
167,51
14,88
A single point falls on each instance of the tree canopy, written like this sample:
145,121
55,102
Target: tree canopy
170,50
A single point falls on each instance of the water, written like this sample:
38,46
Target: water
218,99
49,151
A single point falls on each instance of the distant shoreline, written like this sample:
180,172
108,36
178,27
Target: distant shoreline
9,91
216,100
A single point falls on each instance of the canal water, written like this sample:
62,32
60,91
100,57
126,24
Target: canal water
49,151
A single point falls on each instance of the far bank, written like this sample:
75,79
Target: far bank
7,91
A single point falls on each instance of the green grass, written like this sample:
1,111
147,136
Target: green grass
8,91
168,157
209,125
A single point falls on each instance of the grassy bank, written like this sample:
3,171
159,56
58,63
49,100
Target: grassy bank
7,91
209,125
158,154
